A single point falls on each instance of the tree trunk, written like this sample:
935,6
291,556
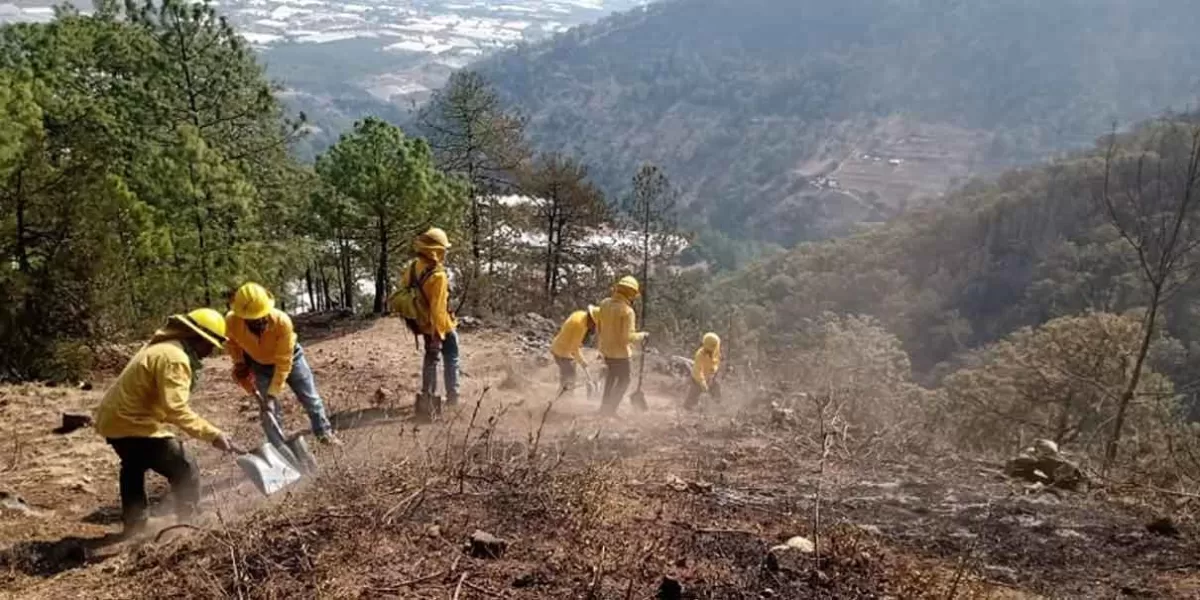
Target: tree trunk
308,283
22,250
645,263
345,272
1110,452
204,276
328,299
548,275
381,274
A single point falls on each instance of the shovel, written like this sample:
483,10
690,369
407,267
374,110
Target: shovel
592,388
279,462
638,398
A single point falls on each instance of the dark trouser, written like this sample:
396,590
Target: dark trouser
616,382
566,373
694,392
164,456
434,353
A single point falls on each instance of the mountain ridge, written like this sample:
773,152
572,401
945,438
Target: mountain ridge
746,103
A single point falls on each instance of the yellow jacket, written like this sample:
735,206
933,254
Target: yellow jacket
705,366
437,292
616,327
152,392
274,347
569,341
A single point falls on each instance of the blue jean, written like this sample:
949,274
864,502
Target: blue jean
433,355
302,383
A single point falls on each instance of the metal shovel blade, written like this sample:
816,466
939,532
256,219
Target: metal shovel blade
267,469
294,451
638,400
304,458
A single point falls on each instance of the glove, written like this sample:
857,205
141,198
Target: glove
224,444
642,335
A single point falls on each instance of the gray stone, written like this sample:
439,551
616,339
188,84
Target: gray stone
482,544
14,503
792,556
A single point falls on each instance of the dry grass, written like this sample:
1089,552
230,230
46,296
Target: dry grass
604,509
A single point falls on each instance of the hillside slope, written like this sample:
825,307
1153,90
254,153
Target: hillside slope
602,508
977,265
793,120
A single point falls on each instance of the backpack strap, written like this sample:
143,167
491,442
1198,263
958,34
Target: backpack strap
417,282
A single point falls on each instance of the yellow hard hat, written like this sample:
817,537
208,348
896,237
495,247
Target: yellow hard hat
593,313
711,341
434,237
630,284
252,301
207,323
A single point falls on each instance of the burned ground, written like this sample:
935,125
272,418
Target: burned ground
589,508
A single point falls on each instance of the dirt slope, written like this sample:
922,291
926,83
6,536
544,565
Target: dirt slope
591,508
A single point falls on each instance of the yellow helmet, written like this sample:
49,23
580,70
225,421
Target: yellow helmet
252,301
629,284
434,237
711,342
207,323
593,313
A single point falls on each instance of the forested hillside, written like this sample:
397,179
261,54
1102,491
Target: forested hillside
987,260
794,120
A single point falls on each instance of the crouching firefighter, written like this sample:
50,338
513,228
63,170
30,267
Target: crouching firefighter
423,301
567,347
151,393
704,371
266,355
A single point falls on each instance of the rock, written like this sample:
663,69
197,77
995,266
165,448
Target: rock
468,323
1037,465
482,544
791,556
383,397
1000,574
676,483
677,366
83,488
527,580
1069,534
670,589
1045,448
434,531
72,422
14,503
679,484
1163,526
86,386
870,530
802,544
